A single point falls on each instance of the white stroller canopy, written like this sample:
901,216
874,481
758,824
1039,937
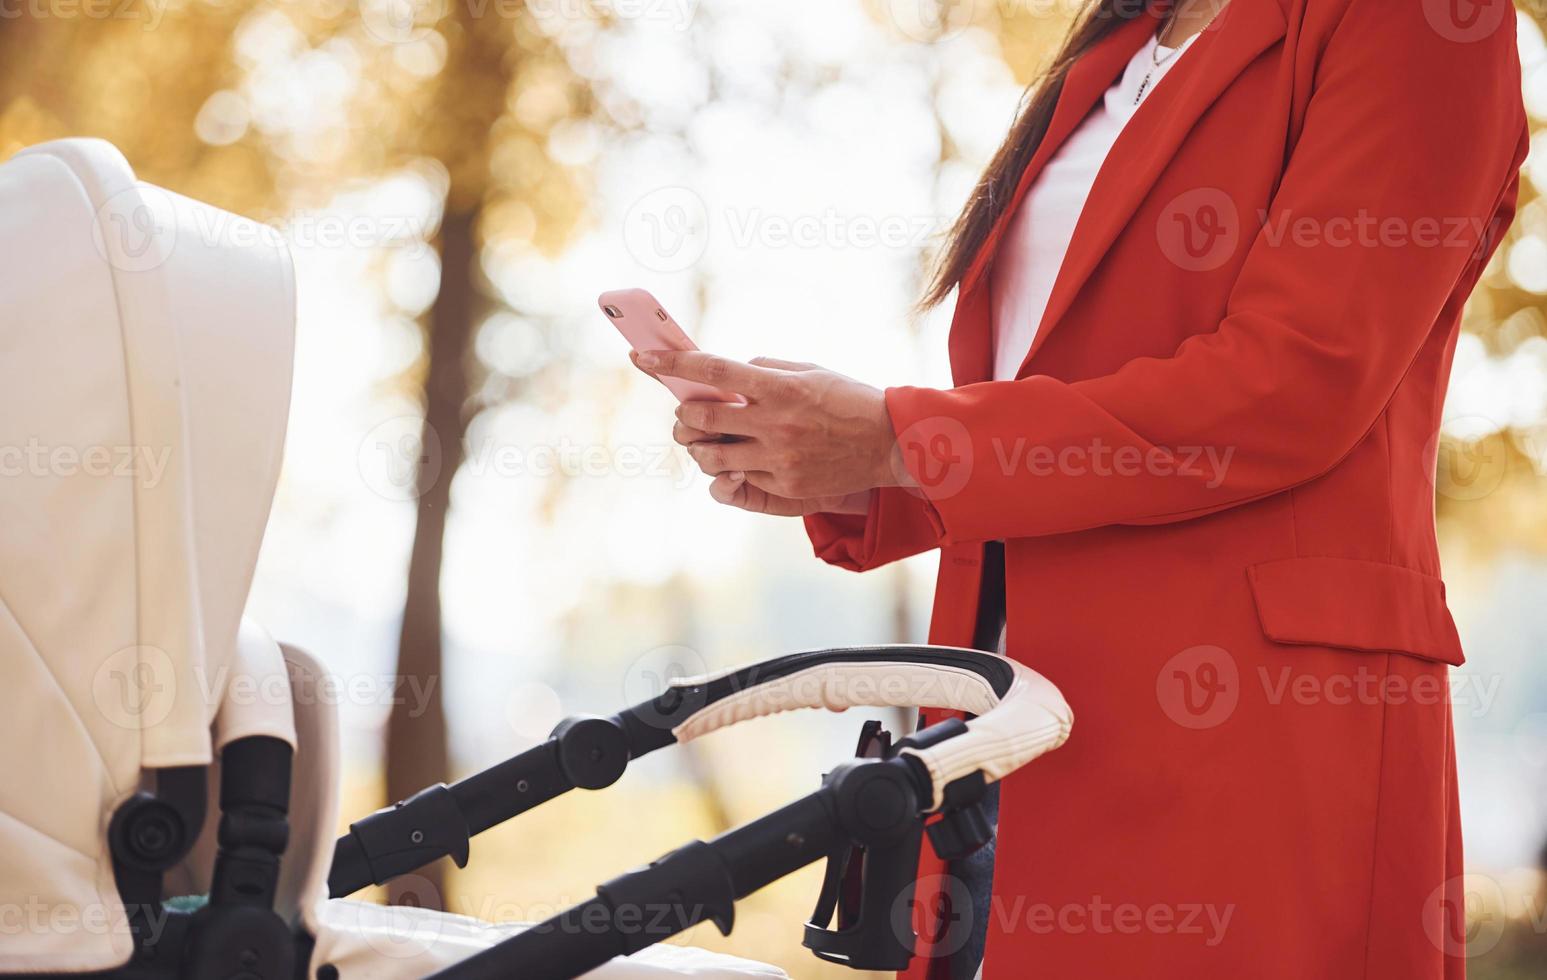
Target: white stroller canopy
136,491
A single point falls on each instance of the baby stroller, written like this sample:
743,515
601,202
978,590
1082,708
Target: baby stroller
171,791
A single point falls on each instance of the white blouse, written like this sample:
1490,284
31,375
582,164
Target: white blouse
1034,245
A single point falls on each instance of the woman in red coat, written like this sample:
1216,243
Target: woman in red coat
1200,348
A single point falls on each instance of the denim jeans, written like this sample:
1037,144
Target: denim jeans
976,872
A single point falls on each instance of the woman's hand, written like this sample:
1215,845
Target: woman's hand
807,441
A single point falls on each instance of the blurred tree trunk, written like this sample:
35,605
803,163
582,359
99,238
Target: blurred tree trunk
416,752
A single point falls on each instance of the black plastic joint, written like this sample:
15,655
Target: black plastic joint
592,751
963,827
149,834
261,828
877,802
674,892
412,833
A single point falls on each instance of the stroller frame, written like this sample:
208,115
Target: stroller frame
869,814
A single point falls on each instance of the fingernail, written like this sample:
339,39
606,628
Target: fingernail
737,476
648,360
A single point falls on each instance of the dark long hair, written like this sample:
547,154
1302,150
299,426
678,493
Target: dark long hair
997,185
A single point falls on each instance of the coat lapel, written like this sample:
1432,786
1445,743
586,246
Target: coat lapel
971,344
1244,30
1087,81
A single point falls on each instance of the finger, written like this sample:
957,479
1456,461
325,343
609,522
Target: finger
709,369
768,483
782,365
715,458
686,435
737,493
727,490
725,418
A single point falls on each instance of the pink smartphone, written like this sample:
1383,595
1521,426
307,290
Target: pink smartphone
646,325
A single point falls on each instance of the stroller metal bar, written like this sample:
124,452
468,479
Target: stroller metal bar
437,822
870,802
584,752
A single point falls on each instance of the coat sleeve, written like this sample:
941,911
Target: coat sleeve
1417,132
898,524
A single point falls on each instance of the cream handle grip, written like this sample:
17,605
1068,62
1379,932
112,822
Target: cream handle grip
1028,718
1031,719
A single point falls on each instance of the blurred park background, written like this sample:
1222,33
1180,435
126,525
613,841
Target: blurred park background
482,524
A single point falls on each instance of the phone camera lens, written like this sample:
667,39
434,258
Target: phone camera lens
612,311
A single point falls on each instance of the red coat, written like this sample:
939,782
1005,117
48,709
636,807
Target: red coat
1215,480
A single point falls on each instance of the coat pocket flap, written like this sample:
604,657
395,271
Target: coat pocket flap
1358,605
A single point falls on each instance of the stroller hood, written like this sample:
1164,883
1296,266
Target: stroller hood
144,390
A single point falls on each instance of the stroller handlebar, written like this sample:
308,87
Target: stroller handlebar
1020,713
1019,716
